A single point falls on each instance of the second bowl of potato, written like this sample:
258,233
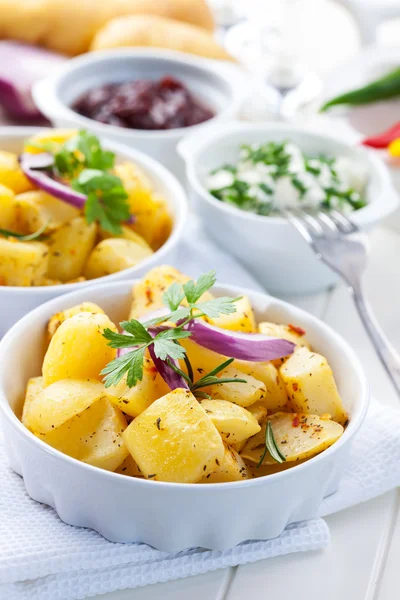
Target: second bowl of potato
74,212
227,426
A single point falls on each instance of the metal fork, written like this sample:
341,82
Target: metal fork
338,242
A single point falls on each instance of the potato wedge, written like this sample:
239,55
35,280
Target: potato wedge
129,467
135,400
174,439
11,174
298,437
294,334
127,234
113,255
78,349
69,248
8,208
276,397
241,320
37,209
60,401
22,263
243,394
259,412
60,317
311,386
94,436
231,468
233,422
34,387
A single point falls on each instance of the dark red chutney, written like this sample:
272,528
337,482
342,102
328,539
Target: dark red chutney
143,104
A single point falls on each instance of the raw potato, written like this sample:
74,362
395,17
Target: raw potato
94,436
174,439
284,332
135,400
34,387
113,255
11,174
78,349
8,211
243,394
60,401
48,22
22,263
147,294
298,437
36,209
241,320
69,248
231,468
129,468
234,423
158,32
56,320
311,386
276,397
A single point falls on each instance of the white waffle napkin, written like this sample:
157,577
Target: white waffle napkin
41,558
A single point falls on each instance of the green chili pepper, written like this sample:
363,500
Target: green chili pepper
380,89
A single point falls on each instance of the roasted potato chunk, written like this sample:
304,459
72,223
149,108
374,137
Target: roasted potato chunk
8,208
243,394
275,397
129,467
231,468
34,387
136,399
127,234
78,349
294,334
174,439
298,437
311,386
241,320
11,174
69,248
59,402
113,255
60,317
37,209
94,436
22,263
233,422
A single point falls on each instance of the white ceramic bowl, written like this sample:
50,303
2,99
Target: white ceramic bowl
217,83
15,302
269,246
172,516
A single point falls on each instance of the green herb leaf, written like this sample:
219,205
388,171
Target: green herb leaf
217,306
173,296
180,314
25,238
194,290
207,380
137,330
116,369
165,346
271,446
135,371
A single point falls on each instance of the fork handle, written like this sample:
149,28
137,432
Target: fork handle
386,352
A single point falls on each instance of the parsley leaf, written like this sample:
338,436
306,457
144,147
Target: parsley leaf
217,306
194,290
135,371
85,149
165,345
173,296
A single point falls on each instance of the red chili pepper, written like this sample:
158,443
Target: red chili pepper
382,140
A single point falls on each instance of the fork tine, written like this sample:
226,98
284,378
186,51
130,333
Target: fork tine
310,219
300,225
343,223
328,221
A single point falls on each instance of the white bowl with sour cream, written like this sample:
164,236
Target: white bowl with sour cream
269,246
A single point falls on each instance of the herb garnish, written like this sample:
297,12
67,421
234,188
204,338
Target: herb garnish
271,446
84,165
165,340
22,237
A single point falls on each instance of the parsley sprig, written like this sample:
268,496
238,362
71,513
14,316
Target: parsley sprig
165,339
84,164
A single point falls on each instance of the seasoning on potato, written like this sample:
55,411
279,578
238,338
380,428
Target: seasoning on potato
186,390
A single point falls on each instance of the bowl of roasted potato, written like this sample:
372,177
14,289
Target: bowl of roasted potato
178,413
74,211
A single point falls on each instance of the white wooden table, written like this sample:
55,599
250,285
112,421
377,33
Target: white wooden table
362,560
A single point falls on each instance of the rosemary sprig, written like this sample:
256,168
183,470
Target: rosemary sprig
22,237
271,446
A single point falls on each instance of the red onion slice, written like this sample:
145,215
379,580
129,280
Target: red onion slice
20,66
31,165
253,347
